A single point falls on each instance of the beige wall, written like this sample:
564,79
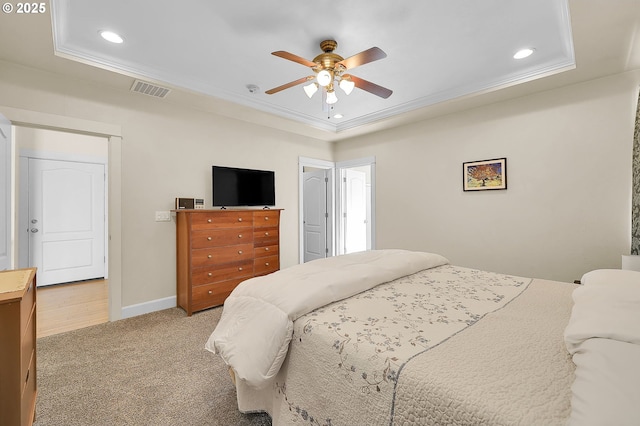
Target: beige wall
57,142
167,151
567,207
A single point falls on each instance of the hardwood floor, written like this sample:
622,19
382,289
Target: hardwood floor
66,307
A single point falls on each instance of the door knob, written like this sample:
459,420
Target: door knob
34,230
34,220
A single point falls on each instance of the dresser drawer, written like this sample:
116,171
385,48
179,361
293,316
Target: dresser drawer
28,299
266,218
212,220
266,236
207,296
266,265
220,255
221,237
263,251
222,273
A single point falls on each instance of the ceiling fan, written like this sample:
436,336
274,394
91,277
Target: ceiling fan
330,69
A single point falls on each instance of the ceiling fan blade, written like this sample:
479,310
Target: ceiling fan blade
362,58
290,84
370,87
294,58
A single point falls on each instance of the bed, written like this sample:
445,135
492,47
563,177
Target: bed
395,337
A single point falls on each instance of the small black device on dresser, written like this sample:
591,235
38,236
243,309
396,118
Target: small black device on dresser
189,203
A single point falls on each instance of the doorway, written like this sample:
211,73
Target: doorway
336,207
355,210
356,207
112,158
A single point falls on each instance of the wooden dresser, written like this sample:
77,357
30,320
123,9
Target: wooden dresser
218,249
17,347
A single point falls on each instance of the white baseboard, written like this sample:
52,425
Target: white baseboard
148,307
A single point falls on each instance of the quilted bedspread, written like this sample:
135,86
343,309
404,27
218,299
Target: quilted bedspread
511,368
256,326
442,342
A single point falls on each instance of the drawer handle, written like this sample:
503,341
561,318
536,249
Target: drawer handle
27,378
266,234
208,220
239,235
239,219
266,218
240,268
209,256
266,249
209,238
210,274
239,251
266,264
210,292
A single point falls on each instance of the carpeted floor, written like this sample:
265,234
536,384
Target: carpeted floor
147,370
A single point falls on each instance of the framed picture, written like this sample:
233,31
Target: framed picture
484,175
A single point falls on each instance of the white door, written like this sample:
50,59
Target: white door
66,220
315,214
5,193
355,211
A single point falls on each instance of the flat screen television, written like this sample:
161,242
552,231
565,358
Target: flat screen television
234,187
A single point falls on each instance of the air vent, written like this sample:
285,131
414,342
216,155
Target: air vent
149,89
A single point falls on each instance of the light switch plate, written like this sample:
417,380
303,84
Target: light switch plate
163,216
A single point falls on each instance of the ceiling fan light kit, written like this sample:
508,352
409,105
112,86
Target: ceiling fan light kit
347,86
311,89
324,78
331,97
329,67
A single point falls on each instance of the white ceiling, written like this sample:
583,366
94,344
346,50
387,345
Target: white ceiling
443,55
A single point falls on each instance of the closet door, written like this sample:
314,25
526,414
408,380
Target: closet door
315,214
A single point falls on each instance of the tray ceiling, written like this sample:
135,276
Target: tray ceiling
437,50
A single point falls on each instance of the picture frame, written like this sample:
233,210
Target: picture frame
484,175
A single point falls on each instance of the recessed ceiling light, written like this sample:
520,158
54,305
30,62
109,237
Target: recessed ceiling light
111,36
523,53
338,116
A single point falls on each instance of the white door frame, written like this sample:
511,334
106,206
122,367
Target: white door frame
334,198
114,133
6,216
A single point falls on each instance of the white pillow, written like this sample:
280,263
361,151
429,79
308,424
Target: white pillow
606,276
603,336
606,390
